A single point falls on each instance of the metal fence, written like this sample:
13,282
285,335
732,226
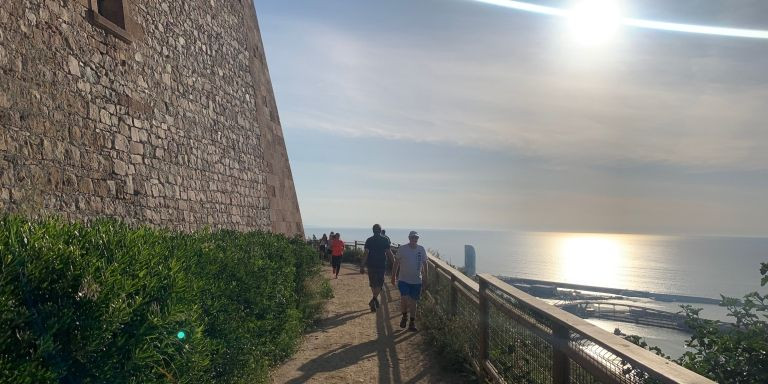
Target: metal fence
517,338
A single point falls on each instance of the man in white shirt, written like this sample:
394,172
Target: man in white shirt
411,270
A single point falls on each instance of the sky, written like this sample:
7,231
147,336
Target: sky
466,115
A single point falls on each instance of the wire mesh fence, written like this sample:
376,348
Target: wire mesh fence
523,340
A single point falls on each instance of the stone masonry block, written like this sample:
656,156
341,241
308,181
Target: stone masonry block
137,148
120,143
74,66
120,167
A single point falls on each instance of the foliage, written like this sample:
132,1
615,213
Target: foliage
104,303
448,337
354,256
725,353
737,354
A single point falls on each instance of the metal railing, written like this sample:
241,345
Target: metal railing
517,338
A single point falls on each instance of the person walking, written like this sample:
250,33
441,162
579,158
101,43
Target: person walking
410,269
337,251
328,249
322,246
387,262
375,255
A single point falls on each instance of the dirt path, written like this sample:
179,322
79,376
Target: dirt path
353,345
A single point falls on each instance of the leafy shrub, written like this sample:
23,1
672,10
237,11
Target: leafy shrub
448,338
105,303
737,354
724,353
354,256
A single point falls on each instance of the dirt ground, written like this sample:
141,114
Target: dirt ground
353,345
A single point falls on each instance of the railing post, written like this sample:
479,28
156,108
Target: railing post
561,370
454,296
434,280
484,322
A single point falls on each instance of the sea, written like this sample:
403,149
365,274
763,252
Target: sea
701,266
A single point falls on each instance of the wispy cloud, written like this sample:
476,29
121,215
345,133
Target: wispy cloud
384,87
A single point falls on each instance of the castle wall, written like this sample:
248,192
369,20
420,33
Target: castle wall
177,127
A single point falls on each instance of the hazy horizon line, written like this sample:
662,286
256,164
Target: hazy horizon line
580,232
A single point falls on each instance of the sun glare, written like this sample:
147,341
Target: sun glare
591,259
593,22
608,13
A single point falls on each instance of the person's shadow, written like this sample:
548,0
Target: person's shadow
383,347
339,319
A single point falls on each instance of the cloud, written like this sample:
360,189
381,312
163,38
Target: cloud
477,118
615,111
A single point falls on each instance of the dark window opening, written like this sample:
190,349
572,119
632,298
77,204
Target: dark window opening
111,16
113,11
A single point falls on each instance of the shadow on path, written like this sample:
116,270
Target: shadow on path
389,364
339,319
336,359
383,347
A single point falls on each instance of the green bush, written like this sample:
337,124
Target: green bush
105,302
448,338
354,256
736,353
731,354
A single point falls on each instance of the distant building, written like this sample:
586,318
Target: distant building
470,260
152,111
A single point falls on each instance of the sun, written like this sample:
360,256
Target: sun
594,22
592,259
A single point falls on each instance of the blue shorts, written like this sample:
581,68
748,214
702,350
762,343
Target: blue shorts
412,290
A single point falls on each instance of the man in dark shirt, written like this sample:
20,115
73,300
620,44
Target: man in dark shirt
376,253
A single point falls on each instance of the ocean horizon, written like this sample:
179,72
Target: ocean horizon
702,266
705,266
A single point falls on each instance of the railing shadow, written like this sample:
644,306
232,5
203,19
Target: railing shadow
387,354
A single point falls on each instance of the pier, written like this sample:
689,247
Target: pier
554,286
626,313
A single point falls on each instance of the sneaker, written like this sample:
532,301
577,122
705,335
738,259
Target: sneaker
372,305
412,327
403,322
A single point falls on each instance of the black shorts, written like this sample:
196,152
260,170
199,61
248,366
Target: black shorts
336,261
376,277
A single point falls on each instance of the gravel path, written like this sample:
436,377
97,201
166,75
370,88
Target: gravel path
353,345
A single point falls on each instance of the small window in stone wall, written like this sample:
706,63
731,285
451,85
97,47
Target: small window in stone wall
113,10
111,15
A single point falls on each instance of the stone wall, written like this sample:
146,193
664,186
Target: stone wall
176,127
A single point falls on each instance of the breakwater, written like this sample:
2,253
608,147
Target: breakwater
543,286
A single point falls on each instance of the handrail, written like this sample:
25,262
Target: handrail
572,340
